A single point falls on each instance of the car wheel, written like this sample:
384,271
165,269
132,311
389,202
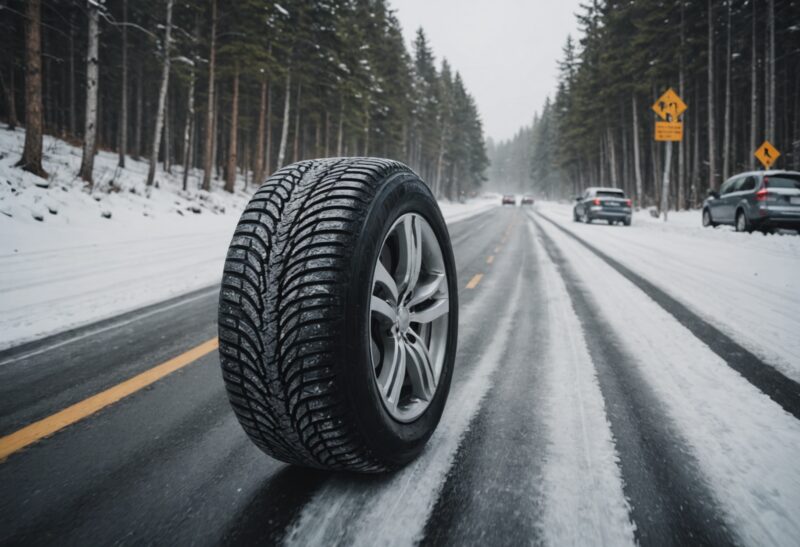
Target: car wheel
627,221
708,222
575,217
742,223
338,315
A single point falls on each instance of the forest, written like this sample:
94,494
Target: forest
234,88
735,63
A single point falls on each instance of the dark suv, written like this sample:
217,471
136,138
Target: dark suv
608,204
758,200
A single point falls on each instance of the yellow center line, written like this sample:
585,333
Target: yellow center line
474,281
72,414
490,259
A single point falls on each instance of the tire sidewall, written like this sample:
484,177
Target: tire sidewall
392,441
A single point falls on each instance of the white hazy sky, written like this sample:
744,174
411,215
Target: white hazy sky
506,50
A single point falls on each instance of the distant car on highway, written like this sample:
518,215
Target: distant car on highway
609,204
756,200
509,199
528,200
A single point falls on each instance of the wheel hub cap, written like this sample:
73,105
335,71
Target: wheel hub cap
409,315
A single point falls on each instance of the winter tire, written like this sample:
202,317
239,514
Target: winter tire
627,221
338,315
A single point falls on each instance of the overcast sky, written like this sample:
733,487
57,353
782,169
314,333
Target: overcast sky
506,50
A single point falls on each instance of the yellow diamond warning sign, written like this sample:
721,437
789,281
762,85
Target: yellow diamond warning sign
767,154
669,131
669,106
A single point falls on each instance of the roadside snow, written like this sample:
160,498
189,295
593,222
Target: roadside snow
745,284
64,264
745,443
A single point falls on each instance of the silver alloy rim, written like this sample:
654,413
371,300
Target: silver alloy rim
409,314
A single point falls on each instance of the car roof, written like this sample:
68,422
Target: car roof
605,189
767,173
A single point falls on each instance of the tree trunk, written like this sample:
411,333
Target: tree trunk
340,130
612,157
681,201
208,157
366,129
753,91
726,136
327,133
712,155
162,97
32,154
11,100
73,119
268,158
262,112
233,142
296,147
137,135
285,125
637,166
123,107
771,67
167,147
90,125
188,129
696,154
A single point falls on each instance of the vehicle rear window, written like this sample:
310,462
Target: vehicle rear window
607,194
784,181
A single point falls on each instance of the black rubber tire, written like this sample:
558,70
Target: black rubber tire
747,226
294,314
626,222
708,222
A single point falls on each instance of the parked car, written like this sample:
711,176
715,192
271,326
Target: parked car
609,204
756,200
509,199
528,200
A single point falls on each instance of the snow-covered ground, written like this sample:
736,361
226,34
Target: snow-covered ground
745,284
63,263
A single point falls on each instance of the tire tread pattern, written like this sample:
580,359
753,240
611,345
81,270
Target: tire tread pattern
281,306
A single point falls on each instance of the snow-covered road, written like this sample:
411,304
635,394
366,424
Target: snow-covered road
604,393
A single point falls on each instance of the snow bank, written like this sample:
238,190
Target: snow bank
745,284
69,258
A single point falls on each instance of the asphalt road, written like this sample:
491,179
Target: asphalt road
169,464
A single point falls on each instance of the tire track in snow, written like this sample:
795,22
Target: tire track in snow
778,387
375,510
670,500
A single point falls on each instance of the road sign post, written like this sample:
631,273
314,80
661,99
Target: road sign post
669,107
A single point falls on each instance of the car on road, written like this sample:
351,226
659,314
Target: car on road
756,200
509,199
528,200
609,204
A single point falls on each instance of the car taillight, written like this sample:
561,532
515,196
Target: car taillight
597,201
761,195
628,202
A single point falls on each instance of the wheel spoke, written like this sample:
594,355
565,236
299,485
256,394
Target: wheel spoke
410,253
420,368
385,279
436,309
383,309
426,291
392,377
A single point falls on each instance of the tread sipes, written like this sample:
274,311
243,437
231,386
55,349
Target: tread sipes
280,310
